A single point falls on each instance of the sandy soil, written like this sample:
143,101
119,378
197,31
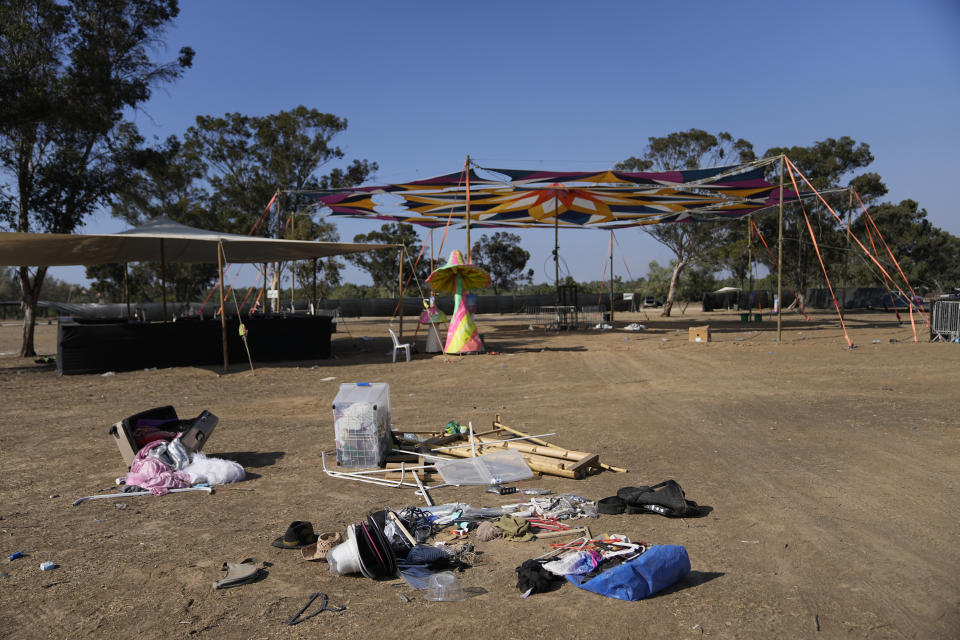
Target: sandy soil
832,474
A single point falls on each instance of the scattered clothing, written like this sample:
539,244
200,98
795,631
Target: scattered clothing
533,578
422,562
516,529
486,532
153,474
202,469
239,573
578,563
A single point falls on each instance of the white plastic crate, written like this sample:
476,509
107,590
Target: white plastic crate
361,423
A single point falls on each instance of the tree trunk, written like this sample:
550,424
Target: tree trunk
31,295
674,280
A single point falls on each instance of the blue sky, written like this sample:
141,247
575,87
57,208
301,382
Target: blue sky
579,86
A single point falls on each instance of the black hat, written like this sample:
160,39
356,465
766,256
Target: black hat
299,534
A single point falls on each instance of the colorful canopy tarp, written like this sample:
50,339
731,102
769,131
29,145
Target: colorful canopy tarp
606,199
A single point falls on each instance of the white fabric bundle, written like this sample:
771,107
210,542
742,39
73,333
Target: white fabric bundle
213,470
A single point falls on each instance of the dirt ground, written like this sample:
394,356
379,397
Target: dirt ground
831,472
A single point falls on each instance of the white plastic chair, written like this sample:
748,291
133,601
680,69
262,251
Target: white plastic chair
397,346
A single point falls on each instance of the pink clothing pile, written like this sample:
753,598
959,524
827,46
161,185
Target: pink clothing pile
150,473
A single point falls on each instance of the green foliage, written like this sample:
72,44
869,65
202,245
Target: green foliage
165,182
697,280
349,291
107,282
504,259
328,270
657,282
382,265
54,290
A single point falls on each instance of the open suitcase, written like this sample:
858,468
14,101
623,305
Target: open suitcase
194,432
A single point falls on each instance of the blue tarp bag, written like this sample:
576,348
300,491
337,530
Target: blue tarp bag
656,569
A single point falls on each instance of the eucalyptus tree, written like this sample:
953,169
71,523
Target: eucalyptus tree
247,160
70,72
689,242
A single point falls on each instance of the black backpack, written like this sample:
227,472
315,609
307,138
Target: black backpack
666,498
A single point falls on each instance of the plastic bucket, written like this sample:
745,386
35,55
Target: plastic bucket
345,557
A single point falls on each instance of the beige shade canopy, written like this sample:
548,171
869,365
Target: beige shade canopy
161,239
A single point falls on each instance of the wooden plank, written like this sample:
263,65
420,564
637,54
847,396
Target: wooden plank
552,451
585,464
500,425
542,464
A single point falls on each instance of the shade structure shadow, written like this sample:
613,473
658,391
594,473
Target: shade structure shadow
692,579
253,459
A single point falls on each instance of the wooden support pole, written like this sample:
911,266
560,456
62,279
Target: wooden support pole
749,266
126,290
466,171
780,260
556,247
223,309
400,290
163,279
846,257
611,276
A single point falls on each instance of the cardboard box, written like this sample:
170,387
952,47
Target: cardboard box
700,334
194,432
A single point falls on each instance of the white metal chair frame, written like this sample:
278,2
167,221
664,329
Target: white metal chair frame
397,346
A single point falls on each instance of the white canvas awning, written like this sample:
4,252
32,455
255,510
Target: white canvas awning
161,240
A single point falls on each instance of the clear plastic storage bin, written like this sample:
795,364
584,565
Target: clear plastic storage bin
361,423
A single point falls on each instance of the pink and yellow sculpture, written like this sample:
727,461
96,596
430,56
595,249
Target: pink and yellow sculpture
454,277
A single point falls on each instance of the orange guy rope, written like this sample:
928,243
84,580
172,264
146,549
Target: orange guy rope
820,258
887,247
839,219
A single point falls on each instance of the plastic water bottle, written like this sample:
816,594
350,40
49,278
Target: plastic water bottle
534,491
47,566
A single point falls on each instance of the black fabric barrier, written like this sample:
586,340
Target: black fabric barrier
97,347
